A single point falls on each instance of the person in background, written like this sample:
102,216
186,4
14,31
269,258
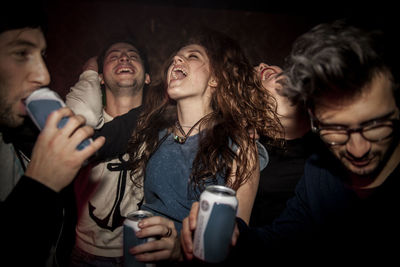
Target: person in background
286,161
344,208
103,193
30,206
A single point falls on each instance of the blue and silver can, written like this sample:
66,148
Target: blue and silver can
215,223
130,239
41,103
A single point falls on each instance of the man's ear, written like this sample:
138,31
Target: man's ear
101,78
147,79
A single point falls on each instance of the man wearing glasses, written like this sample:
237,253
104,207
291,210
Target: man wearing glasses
347,204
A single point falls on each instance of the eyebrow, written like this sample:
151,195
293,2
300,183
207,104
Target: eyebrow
22,42
119,50
194,51
383,117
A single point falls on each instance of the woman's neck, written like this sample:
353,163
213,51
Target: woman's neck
188,116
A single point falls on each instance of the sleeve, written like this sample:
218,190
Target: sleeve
85,98
262,155
31,215
287,234
117,133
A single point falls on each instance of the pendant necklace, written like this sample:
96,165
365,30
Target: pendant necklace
182,139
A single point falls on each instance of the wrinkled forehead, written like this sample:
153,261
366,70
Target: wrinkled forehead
26,36
375,100
122,46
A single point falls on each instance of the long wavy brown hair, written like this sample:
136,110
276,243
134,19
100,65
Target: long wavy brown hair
240,105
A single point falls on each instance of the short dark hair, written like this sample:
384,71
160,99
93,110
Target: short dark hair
129,40
335,59
31,15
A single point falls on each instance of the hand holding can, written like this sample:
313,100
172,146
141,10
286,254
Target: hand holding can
41,103
130,239
215,223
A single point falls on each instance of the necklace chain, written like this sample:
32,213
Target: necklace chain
182,139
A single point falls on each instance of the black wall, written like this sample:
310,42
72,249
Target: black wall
265,29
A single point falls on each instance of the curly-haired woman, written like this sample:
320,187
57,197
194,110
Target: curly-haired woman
197,128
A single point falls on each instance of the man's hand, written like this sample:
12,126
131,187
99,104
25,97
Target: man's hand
91,64
55,159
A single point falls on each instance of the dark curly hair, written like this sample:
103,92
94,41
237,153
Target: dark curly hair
335,60
124,39
239,104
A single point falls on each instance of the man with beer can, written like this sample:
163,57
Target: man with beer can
30,202
41,103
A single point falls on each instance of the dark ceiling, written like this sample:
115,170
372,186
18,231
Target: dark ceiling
265,29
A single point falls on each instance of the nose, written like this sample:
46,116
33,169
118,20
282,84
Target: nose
123,57
40,74
262,66
177,59
357,146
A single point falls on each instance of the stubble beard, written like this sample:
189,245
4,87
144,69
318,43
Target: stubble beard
7,117
132,89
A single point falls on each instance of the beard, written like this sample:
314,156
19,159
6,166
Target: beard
7,118
377,161
127,89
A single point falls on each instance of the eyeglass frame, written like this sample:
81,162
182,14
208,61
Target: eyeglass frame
317,129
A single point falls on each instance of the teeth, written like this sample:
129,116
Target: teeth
267,73
179,69
124,70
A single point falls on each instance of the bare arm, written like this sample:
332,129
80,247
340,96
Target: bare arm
246,195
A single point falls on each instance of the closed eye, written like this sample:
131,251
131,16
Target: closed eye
21,54
193,56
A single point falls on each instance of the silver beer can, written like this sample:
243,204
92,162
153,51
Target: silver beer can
41,103
215,223
130,227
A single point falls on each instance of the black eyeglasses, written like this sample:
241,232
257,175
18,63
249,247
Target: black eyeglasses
374,131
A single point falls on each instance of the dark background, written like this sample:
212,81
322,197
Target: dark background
265,29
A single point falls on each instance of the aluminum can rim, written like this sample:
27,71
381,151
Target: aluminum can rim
138,215
220,189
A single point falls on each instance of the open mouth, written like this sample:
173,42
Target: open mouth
124,70
178,73
359,163
267,73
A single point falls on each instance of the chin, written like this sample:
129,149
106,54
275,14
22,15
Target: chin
364,171
173,94
14,122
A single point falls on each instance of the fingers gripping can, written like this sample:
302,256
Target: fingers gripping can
41,103
130,239
215,223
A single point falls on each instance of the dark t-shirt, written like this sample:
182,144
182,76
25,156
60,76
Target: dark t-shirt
326,221
278,180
